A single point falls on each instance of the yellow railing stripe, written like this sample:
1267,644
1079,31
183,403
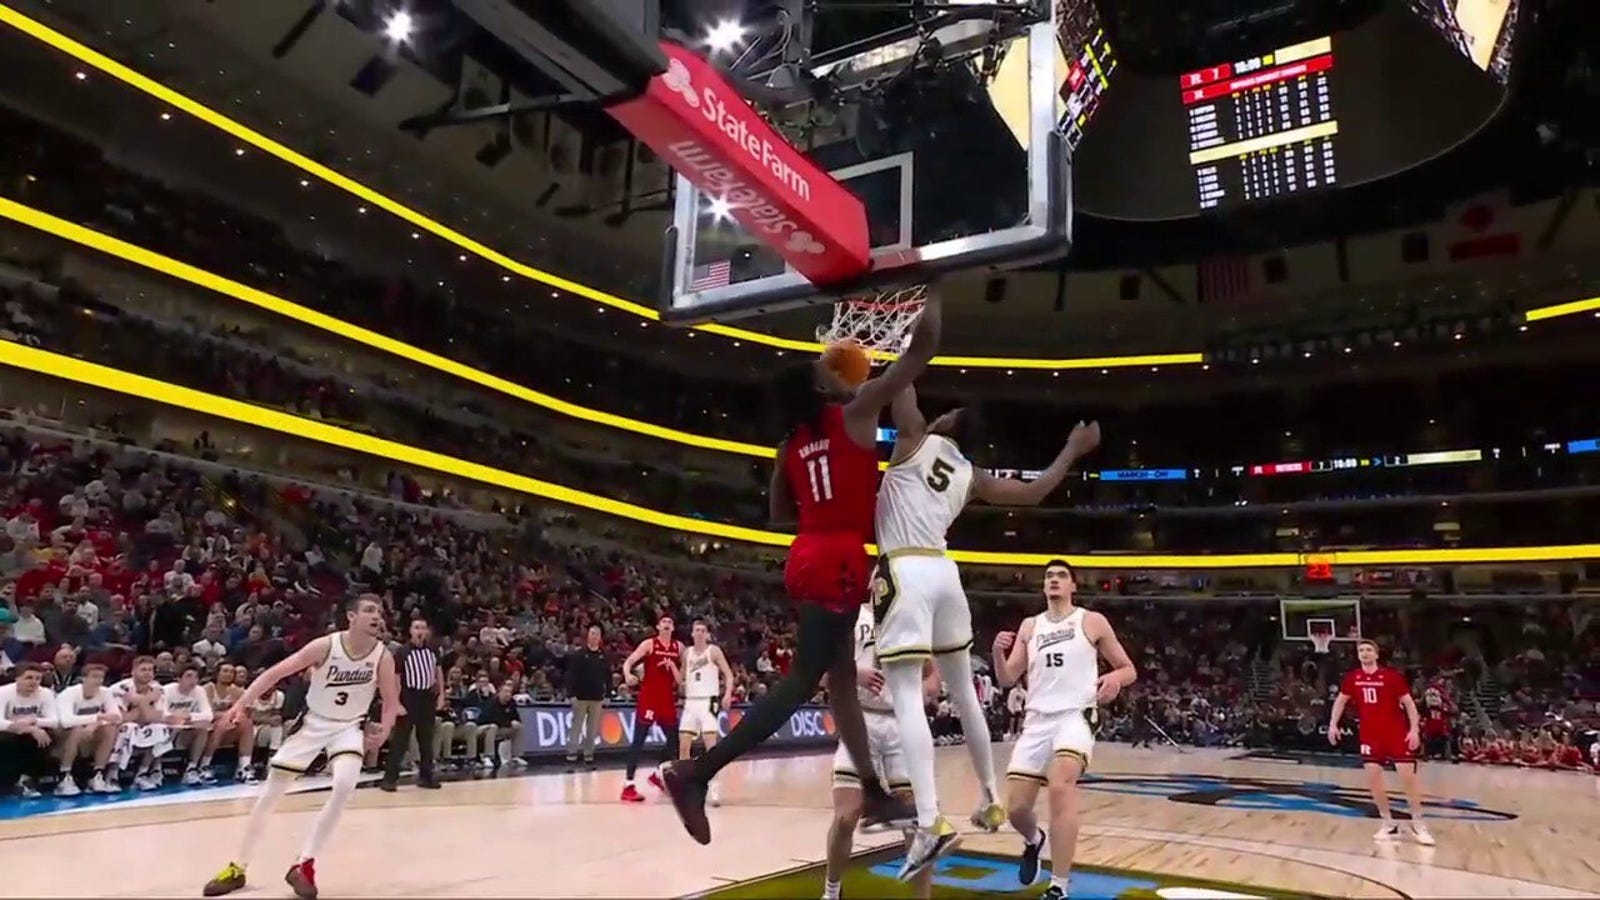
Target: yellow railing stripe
55,365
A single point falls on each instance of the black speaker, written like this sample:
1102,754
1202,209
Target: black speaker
994,290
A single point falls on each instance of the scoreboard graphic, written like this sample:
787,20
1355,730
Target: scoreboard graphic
1263,128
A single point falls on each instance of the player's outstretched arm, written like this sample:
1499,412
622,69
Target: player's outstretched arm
909,423
861,413
311,654
1016,492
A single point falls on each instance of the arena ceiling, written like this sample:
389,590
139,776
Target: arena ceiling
235,57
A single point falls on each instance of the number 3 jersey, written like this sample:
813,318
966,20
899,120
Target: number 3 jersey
342,686
921,495
1063,666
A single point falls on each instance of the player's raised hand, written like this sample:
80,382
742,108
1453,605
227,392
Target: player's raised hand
1084,438
1003,642
870,679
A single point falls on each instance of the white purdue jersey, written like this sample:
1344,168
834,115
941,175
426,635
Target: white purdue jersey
195,703
1063,666
867,658
704,679
342,687
921,495
76,710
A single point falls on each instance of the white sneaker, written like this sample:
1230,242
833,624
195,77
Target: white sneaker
1388,831
147,782
1420,834
68,787
191,777
26,789
485,762
100,785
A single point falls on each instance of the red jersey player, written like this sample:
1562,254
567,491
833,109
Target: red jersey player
1436,712
1388,734
826,481
657,702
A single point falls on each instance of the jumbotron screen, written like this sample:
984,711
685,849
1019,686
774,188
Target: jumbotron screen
1089,61
1264,127
1480,30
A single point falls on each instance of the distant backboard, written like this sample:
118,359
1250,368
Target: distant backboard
961,163
1302,618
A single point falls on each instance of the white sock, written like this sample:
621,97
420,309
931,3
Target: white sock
956,670
903,678
277,785
346,772
830,890
1059,881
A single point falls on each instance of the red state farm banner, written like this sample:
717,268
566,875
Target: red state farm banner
703,128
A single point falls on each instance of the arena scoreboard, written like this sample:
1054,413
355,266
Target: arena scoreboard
1263,128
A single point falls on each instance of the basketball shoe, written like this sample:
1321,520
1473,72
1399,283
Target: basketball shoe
630,794
230,879
302,879
989,817
927,845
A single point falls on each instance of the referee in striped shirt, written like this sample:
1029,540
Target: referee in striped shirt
421,696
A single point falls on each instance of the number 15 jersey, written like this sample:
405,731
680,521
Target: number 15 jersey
1063,666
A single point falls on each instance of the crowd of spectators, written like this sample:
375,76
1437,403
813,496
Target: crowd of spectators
113,557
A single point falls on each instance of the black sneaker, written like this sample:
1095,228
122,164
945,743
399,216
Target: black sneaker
688,795
388,787
881,810
1028,865
1053,892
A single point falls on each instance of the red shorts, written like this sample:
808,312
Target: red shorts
830,569
654,710
1386,749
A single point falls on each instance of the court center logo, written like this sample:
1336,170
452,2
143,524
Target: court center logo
1276,794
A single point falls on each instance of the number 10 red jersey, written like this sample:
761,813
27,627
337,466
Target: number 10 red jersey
1376,697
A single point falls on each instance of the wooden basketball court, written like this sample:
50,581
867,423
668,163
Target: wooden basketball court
1273,825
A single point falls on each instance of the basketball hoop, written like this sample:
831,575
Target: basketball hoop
879,322
1321,643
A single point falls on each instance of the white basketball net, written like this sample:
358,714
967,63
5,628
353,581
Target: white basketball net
1321,642
878,322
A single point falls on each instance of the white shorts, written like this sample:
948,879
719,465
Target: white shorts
883,738
1048,735
919,607
697,717
315,734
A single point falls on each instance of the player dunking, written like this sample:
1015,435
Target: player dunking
920,606
1059,650
707,690
661,658
826,477
888,762
347,668
1388,733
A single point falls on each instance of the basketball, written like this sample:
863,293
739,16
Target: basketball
850,360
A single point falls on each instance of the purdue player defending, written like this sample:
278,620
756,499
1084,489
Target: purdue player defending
1059,650
1388,733
661,659
347,668
825,479
707,691
888,761
920,606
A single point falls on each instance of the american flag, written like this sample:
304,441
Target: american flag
1223,279
711,275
